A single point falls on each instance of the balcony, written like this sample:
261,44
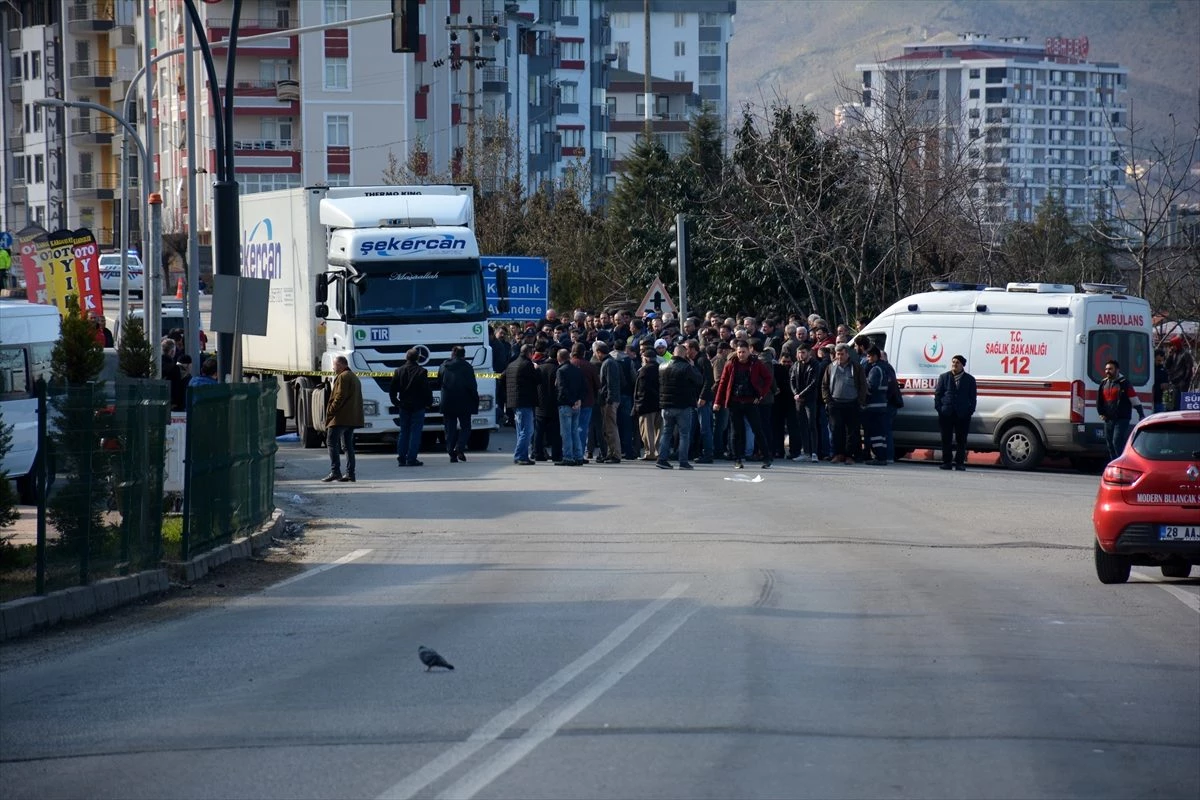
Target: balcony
16,90
287,91
94,185
93,130
262,144
16,140
17,192
91,74
122,36
90,17
280,20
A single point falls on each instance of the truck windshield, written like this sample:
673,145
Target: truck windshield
430,291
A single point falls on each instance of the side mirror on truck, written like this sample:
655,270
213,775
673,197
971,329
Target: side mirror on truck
502,290
322,287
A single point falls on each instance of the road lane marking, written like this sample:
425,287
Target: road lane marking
478,779
346,559
497,725
1190,600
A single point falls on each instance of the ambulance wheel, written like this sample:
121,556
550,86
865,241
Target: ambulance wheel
1020,448
479,440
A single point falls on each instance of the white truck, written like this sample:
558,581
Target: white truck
366,273
1037,351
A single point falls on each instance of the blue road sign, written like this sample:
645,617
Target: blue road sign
6,240
528,286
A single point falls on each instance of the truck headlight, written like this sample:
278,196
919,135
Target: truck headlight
485,402
370,408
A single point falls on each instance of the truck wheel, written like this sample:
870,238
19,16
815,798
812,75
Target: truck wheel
312,438
1020,448
479,440
1176,569
1110,567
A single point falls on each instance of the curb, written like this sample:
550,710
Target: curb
19,617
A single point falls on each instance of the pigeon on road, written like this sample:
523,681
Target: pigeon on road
430,658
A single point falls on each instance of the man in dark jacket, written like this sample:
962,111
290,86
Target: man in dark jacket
591,387
954,400
1115,403
679,390
545,416
744,382
804,379
702,431
609,401
646,406
569,387
521,383
411,395
501,357
844,390
460,399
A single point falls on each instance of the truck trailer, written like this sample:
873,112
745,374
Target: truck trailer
366,273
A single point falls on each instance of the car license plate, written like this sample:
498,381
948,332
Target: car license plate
1179,533
479,422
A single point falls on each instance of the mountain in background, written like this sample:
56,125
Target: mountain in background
804,51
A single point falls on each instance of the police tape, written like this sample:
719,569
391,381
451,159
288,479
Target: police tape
311,373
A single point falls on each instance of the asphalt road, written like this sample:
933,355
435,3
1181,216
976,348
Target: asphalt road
620,631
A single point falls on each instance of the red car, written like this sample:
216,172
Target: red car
1147,511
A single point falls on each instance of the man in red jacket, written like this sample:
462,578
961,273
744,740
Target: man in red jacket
744,383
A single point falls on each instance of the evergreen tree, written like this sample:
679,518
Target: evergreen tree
135,356
640,214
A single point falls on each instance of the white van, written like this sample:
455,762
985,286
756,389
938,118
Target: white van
1037,351
28,333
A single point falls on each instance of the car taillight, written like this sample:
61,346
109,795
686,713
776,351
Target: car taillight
1077,402
1120,476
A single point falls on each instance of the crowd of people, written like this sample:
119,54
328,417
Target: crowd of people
614,387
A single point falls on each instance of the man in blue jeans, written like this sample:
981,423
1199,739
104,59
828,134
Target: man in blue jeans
521,386
704,412
1115,403
411,394
568,385
679,385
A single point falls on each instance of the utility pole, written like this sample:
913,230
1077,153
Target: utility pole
646,78
470,54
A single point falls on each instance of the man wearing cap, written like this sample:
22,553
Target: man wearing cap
660,349
954,400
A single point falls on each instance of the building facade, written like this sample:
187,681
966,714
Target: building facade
1034,118
61,165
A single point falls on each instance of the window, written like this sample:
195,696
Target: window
571,137
35,66
14,67
610,103
274,69
709,20
338,179
710,78
572,51
680,76
1170,442
1131,349
39,215
39,169
37,118
336,11
680,48
973,94
973,73
620,20
710,48
569,93
337,72
337,130
680,19
639,104
610,147
251,183
973,133
570,8
87,216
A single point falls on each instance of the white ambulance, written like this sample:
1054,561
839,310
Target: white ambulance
1037,351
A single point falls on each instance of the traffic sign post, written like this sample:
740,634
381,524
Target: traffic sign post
528,287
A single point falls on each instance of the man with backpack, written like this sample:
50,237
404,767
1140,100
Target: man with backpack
1115,403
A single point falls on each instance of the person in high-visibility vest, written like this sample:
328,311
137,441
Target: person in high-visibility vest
5,266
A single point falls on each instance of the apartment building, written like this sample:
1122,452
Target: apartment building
689,43
673,104
1035,118
60,167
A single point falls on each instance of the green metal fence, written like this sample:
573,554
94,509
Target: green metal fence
229,463
99,489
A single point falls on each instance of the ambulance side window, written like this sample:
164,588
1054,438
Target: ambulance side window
1130,349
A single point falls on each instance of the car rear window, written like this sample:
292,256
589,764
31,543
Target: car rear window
1168,442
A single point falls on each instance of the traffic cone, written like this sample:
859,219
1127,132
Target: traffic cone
179,289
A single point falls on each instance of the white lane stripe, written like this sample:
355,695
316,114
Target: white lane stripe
346,559
478,779
1190,600
497,725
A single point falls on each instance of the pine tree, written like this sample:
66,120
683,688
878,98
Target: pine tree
640,215
135,356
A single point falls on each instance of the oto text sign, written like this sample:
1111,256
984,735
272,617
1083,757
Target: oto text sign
528,286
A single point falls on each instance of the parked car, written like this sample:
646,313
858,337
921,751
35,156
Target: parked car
1147,511
110,273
